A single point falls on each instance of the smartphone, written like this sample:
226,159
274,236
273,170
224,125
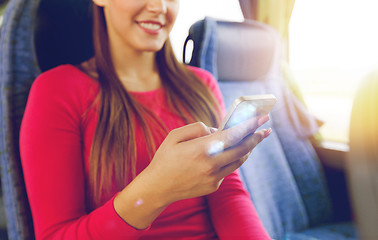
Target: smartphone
246,107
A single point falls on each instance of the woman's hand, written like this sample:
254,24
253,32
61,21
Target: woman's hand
192,161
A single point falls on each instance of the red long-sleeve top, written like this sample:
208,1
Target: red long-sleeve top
56,137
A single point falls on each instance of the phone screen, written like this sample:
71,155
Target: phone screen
248,107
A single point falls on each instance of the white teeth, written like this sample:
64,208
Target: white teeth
150,26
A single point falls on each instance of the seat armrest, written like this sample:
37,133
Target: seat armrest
332,157
332,154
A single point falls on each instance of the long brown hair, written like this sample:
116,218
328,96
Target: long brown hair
113,153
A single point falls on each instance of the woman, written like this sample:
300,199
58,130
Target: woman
115,148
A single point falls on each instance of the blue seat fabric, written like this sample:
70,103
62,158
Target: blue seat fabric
18,69
341,231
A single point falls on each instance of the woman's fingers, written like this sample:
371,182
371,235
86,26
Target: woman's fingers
189,132
220,140
236,134
231,167
240,151
227,147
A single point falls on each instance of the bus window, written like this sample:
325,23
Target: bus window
193,10
333,45
3,4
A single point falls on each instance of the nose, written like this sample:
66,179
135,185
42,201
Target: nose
157,6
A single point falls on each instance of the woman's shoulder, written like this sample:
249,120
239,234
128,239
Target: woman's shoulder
65,83
65,80
64,76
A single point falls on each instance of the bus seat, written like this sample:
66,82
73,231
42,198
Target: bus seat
362,164
17,71
34,37
283,175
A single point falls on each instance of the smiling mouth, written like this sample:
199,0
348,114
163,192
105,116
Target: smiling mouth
152,26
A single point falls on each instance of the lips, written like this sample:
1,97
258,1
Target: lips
152,27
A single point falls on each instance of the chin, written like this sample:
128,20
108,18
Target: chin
153,48
150,46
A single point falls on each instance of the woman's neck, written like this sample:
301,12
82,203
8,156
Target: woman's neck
136,70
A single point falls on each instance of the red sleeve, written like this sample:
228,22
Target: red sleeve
53,165
232,212
231,209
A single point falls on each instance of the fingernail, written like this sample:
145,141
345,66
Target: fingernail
267,132
263,120
212,130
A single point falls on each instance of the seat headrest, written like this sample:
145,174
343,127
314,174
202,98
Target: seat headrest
245,52
63,32
234,51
